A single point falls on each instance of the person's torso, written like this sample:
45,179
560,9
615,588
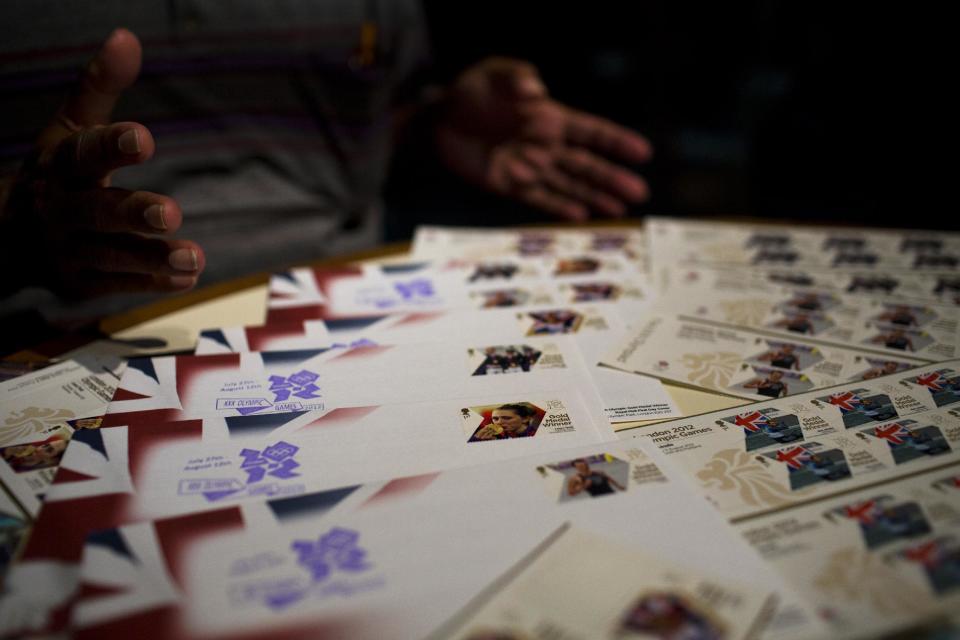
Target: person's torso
272,119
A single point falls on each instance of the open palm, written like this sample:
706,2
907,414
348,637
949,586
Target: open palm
500,130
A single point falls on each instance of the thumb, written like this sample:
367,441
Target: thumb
516,79
113,69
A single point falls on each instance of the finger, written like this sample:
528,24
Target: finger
606,137
95,283
93,153
515,78
554,203
582,191
128,253
603,174
509,171
119,210
536,155
114,68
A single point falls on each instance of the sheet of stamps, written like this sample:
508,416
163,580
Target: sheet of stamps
941,288
773,455
743,363
39,412
696,242
873,560
33,403
28,465
921,330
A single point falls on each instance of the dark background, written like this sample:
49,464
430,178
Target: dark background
806,111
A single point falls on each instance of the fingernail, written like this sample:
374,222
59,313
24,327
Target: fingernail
182,282
129,141
93,69
154,217
532,87
183,260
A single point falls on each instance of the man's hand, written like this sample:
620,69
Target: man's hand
71,231
499,129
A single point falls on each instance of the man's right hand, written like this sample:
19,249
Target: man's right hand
70,230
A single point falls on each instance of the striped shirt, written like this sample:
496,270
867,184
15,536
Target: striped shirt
272,118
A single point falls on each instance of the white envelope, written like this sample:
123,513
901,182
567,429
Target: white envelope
288,381
626,397
194,465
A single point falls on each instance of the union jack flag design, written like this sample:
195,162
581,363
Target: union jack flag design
926,553
281,336
133,576
863,512
795,457
934,381
894,434
846,401
752,422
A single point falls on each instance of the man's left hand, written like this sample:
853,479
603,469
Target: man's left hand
499,129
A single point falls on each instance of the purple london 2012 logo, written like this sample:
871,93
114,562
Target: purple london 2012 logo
336,551
275,460
300,385
410,291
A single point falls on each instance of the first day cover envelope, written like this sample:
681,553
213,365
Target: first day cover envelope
582,585
394,560
115,475
775,454
625,397
192,465
873,560
322,379
741,362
